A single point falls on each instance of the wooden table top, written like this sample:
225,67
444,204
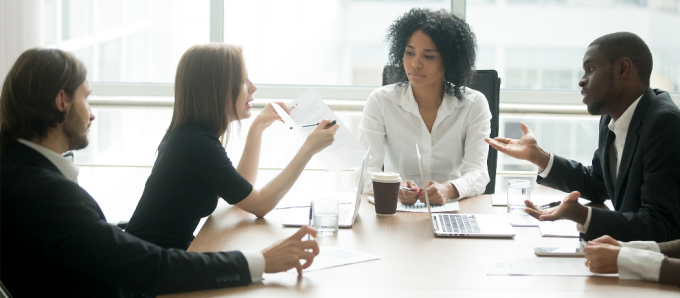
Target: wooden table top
412,261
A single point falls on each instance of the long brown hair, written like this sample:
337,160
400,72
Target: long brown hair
208,81
27,102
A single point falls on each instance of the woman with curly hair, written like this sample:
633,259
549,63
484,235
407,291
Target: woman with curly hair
432,58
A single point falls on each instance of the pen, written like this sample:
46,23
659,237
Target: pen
310,217
314,124
408,189
550,205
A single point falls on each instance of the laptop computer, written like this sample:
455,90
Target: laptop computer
347,213
466,225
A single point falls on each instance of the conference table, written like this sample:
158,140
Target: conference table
413,262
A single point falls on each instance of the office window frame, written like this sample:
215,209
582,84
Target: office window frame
128,94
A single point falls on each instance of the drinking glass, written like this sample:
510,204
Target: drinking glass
325,216
518,192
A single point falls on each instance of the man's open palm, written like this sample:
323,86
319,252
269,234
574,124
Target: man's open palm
523,148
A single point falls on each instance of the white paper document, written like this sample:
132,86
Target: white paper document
538,266
296,200
558,228
521,219
420,207
308,108
331,256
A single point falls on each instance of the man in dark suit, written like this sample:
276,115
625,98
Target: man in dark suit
55,240
636,165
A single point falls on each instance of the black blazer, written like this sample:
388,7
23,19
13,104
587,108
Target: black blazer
646,196
54,240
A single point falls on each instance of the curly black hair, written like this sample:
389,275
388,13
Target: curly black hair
453,38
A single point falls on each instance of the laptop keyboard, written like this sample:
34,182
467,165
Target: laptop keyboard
455,223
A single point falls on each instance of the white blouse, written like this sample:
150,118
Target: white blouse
454,152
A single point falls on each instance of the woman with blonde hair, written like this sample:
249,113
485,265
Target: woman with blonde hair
192,170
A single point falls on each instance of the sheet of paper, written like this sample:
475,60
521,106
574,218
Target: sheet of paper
295,200
331,256
522,219
345,152
558,228
422,208
419,207
538,266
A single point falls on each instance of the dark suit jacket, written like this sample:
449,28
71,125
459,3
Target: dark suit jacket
54,240
646,196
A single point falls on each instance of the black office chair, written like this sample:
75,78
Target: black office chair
487,82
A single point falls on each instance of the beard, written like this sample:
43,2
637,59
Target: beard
595,108
75,130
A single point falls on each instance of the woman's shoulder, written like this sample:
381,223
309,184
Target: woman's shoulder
189,138
475,98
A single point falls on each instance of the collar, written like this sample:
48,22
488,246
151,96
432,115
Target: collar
621,125
65,166
407,101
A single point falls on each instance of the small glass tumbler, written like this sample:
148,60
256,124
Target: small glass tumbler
518,192
325,216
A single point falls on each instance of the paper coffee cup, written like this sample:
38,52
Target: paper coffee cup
386,192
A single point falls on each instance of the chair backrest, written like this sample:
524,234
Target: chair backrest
487,82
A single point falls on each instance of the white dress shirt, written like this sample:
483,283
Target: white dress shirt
620,129
65,166
453,152
255,258
640,260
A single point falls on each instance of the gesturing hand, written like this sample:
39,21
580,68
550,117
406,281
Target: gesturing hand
526,148
569,209
321,137
287,253
407,197
601,258
269,115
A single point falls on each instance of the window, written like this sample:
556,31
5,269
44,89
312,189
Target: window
539,44
127,40
305,42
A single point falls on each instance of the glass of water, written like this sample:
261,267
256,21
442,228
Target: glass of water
518,192
325,216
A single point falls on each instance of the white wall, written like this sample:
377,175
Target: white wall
21,28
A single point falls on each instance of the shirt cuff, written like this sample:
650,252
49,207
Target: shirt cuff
462,192
584,228
639,264
546,171
255,261
644,245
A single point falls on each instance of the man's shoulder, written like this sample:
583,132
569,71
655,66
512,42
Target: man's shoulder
32,182
662,110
